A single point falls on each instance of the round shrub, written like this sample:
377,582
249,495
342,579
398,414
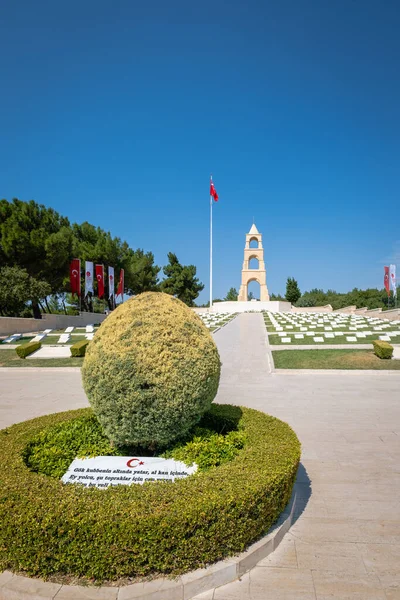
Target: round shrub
151,371
48,528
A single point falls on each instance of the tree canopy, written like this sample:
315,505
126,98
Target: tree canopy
231,295
292,290
41,243
181,281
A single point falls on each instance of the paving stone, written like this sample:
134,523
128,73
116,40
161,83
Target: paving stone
157,589
280,584
78,592
343,557
380,558
346,586
21,588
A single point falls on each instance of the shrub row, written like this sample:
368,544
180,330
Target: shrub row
51,528
26,349
79,349
383,349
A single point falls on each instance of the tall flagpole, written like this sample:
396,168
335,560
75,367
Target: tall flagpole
211,248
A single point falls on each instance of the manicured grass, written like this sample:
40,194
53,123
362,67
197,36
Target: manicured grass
9,358
275,340
50,339
332,359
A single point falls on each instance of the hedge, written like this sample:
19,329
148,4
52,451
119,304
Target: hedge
79,349
26,349
49,528
151,371
383,349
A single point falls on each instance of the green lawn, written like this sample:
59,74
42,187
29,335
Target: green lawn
275,340
332,359
9,358
50,339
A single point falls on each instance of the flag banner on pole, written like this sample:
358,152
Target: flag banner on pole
88,278
111,289
100,280
213,191
392,277
75,276
386,280
120,290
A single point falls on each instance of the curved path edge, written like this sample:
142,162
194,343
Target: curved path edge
17,587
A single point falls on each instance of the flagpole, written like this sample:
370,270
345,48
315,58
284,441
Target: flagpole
211,249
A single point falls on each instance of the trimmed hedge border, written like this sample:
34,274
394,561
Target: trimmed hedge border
79,349
382,349
26,349
51,529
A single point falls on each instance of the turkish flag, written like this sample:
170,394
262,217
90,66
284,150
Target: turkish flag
213,191
120,290
100,280
75,276
386,280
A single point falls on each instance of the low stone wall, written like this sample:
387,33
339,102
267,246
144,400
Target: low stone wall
10,325
346,309
253,306
312,309
388,315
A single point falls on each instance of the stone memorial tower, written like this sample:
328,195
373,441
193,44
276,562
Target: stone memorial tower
258,274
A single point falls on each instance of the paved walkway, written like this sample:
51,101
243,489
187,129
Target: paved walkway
345,543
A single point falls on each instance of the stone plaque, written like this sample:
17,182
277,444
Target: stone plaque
103,471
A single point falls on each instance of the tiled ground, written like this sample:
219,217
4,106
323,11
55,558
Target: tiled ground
345,543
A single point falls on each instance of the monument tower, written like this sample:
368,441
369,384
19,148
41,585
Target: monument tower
257,274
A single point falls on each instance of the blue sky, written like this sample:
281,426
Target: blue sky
117,112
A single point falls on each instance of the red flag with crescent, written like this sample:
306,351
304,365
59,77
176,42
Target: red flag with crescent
213,191
386,280
120,290
75,276
100,280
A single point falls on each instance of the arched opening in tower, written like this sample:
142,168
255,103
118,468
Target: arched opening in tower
253,290
253,262
254,243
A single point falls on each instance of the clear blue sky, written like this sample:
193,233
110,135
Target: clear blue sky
117,112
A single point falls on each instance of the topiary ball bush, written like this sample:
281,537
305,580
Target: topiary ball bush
151,371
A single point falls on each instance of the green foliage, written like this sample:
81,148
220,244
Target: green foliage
54,448
25,350
277,297
49,528
79,349
208,448
17,288
232,295
40,241
181,281
250,296
292,290
151,371
35,238
369,298
382,349
94,244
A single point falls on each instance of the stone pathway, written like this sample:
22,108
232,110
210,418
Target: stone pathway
346,540
345,543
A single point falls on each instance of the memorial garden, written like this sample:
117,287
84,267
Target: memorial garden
150,373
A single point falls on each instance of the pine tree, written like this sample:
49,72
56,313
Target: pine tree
232,295
292,290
